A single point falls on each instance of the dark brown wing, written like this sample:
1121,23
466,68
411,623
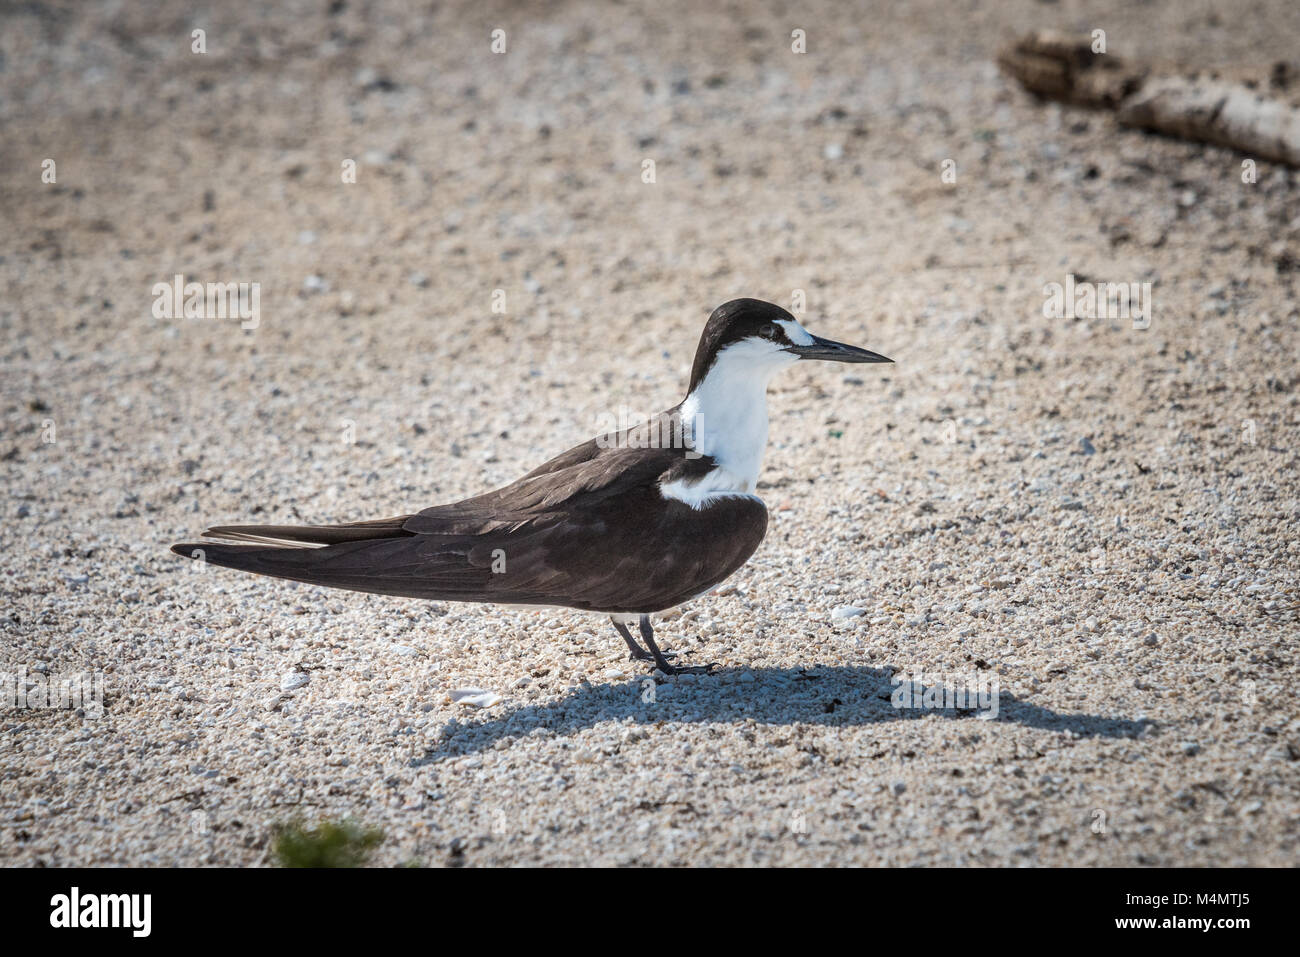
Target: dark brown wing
582,477
590,529
640,554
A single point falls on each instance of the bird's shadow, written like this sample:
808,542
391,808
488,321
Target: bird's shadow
846,696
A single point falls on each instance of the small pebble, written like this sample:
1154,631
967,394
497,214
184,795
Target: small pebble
848,611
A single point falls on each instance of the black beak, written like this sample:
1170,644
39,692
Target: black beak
835,351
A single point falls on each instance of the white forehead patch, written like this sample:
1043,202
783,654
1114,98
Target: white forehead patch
795,332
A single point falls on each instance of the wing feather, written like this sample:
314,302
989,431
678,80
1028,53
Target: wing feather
590,529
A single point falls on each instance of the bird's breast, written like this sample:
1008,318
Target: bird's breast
716,484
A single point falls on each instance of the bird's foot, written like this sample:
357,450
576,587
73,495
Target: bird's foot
661,657
639,655
687,669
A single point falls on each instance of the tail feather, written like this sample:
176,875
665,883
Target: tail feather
382,565
311,534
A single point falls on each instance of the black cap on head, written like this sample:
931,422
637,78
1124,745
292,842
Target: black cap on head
731,322
753,318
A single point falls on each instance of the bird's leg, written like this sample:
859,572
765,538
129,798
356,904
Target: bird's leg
648,636
638,653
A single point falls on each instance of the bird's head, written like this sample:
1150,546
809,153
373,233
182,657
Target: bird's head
749,337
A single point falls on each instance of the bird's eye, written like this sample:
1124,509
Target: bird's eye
768,331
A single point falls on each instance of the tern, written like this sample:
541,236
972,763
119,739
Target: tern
628,524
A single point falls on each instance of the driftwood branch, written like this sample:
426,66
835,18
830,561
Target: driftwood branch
1065,68
1221,113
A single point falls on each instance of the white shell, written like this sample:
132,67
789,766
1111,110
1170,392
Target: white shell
475,697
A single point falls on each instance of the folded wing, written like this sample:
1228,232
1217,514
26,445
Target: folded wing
587,530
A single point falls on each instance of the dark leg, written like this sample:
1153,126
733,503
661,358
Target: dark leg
638,653
648,636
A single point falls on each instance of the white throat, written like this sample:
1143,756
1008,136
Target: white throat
726,414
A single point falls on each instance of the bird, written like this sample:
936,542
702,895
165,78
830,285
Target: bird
626,525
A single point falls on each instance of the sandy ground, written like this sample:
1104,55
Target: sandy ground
1101,519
